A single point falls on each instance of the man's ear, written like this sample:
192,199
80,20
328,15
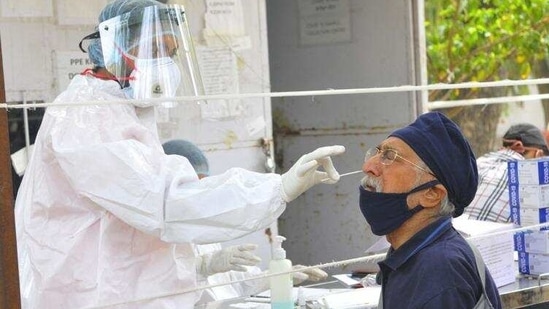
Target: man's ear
433,196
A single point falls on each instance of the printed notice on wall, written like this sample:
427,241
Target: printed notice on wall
324,21
220,76
69,64
224,24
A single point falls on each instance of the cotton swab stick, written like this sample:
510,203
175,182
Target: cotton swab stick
341,175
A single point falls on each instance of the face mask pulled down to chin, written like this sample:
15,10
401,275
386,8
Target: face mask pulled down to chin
152,79
385,212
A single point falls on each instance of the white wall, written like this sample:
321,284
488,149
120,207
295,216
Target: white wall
31,32
520,112
325,223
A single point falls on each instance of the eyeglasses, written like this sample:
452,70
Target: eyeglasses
388,156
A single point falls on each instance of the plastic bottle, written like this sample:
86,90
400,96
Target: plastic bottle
282,285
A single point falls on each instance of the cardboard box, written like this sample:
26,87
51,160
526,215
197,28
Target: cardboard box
528,172
529,216
532,263
532,242
497,250
529,196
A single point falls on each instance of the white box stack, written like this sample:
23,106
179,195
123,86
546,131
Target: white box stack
533,264
532,242
529,205
529,196
528,172
529,191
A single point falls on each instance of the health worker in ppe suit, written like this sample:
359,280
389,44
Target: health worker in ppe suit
232,263
104,217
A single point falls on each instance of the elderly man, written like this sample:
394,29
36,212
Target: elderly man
416,180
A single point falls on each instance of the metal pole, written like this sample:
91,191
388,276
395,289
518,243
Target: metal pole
9,274
26,125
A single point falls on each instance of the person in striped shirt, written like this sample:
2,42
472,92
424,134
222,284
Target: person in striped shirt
491,202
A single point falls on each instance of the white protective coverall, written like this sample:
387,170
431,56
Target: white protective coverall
101,208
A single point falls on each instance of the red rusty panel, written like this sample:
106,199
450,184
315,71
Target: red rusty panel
9,275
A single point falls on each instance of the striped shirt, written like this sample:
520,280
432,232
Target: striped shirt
491,202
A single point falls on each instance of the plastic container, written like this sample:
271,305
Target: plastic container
282,285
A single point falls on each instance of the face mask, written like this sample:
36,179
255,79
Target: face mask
385,212
154,78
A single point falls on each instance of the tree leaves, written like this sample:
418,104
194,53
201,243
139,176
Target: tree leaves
483,41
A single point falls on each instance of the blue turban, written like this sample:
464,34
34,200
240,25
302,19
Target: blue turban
191,152
113,9
442,147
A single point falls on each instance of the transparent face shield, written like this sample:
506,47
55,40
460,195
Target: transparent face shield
151,54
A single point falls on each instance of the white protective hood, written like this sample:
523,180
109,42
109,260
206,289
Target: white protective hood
101,208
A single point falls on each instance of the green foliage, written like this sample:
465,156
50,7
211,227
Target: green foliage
476,40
